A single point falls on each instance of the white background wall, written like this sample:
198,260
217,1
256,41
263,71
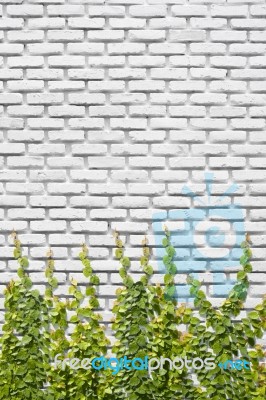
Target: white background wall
108,108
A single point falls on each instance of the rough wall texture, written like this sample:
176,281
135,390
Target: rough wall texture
108,108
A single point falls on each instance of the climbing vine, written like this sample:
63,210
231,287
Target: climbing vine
148,323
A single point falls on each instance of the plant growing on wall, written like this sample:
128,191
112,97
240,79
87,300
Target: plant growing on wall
147,323
222,335
85,342
24,361
169,340
133,311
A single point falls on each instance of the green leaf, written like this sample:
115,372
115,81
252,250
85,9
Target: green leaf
168,279
219,330
119,253
94,280
241,275
148,270
87,271
20,272
90,291
253,315
24,262
125,261
165,242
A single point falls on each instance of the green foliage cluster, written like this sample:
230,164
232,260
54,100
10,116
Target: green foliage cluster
147,322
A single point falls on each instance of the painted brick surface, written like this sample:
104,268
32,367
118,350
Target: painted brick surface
108,108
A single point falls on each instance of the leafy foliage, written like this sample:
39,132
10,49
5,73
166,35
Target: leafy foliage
87,340
147,322
24,361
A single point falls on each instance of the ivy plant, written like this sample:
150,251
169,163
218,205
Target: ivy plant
24,361
148,322
87,341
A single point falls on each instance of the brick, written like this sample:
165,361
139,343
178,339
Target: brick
146,61
107,61
45,74
233,36
106,163
187,36
259,61
47,201
127,23
189,10
7,49
248,23
25,36
229,11
25,162
167,48
67,214
107,11
7,74
106,35
46,23
21,188
66,61
127,73
208,23
25,136
187,61
11,23
10,98
12,148
65,10
86,98
126,48
131,176
48,176
169,73
65,36
97,149
208,73
45,98
28,214
25,110
25,62
208,48
85,23
88,74
16,176
65,188
208,98
167,23
147,11
25,10
190,86
46,48
247,48
66,111
25,86
88,176
258,10
146,36
228,62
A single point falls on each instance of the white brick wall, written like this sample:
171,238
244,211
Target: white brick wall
108,108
